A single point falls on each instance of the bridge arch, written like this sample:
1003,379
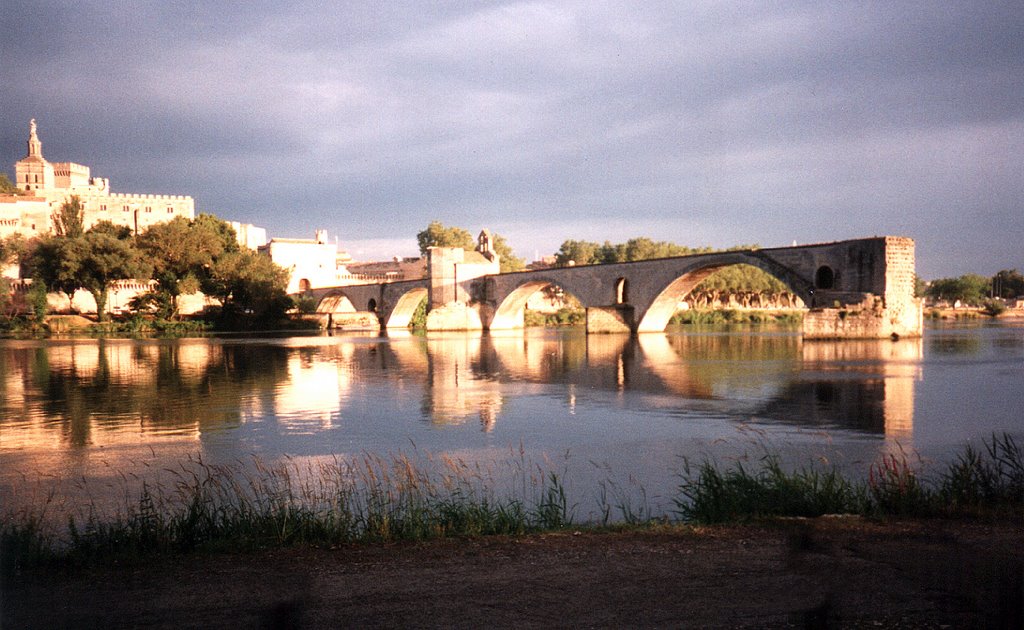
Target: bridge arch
335,302
509,313
661,309
405,308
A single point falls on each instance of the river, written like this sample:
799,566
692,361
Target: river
92,417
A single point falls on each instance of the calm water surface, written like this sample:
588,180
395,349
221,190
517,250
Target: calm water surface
103,413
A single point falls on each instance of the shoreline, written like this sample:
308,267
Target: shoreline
821,572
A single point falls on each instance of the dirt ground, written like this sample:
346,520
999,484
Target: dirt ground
829,572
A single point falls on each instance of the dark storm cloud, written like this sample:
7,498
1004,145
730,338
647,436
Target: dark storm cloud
713,124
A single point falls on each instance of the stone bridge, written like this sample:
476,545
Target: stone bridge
853,289
389,304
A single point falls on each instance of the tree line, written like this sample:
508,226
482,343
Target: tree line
974,290
577,252
729,279
183,256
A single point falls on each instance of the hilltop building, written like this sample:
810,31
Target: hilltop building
45,186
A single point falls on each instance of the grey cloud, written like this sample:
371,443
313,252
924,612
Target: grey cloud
723,124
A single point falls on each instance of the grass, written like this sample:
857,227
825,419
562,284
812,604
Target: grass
376,499
369,499
990,480
561,317
732,316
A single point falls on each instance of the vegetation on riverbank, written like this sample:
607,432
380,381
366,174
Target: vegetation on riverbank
374,499
735,316
176,258
991,479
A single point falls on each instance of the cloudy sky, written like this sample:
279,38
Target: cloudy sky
704,123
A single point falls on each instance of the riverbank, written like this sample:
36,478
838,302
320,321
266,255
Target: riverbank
848,572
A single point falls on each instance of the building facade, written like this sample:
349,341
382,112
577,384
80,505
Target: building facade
45,186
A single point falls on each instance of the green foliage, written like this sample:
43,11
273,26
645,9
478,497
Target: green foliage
419,316
733,278
363,500
120,232
576,253
56,263
305,305
105,259
69,219
508,260
91,260
437,235
896,489
1008,283
968,289
976,481
993,308
702,317
37,301
742,278
920,286
156,302
248,284
716,496
11,249
566,316
641,248
183,252
8,188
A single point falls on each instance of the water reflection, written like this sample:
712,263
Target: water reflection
102,392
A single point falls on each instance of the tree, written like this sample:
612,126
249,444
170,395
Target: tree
182,253
437,235
247,283
120,232
1008,283
7,188
576,253
69,219
507,258
969,289
105,259
56,263
742,278
733,278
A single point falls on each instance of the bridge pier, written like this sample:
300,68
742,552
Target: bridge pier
610,319
872,318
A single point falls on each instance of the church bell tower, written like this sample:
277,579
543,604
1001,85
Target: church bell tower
33,172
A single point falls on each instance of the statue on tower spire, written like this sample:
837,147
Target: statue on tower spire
35,147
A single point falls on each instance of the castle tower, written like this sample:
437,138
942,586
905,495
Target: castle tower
33,172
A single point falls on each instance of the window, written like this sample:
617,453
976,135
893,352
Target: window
126,208
149,208
170,210
103,207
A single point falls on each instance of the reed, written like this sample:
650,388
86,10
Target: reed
372,498
366,499
990,480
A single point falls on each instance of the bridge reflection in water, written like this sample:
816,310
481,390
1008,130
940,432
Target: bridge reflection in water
96,393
